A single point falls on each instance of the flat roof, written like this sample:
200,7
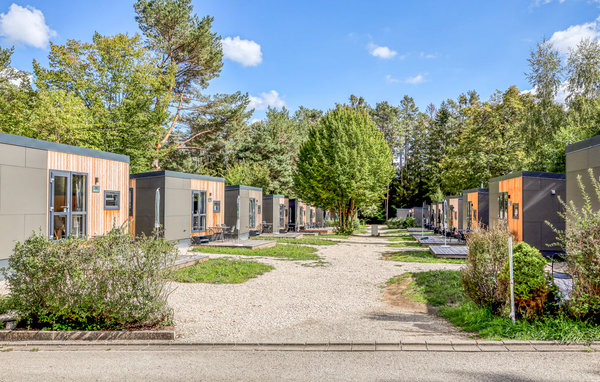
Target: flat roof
529,174
273,196
175,174
582,145
242,187
471,190
17,140
454,196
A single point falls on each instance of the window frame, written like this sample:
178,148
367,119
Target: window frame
201,216
118,200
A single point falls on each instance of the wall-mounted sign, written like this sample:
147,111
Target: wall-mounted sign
96,189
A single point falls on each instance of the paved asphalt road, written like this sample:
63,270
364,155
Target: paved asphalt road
190,365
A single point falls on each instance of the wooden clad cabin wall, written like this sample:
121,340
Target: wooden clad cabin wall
257,195
215,191
112,176
132,218
514,187
473,198
453,219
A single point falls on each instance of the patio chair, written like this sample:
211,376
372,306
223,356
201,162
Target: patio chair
229,232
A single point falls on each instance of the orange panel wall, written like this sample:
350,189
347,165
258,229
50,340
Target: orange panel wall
215,191
514,187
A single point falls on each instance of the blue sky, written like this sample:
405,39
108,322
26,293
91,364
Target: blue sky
317,53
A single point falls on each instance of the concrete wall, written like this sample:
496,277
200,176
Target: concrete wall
23,195
145,194
178,208
401,213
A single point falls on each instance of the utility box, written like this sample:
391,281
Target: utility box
374,230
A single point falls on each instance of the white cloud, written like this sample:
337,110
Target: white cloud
570,37
428,55
381,51
561,94
246,52
391,80
265,100
418,79
25,25
538,3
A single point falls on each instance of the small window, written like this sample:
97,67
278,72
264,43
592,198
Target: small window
515,210
112,200
259,209
131,202
474,214
217,206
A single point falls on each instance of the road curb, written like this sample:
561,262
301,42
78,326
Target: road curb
408,346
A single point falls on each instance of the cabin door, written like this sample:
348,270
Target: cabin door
67,205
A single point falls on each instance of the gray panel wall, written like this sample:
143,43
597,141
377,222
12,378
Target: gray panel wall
539,205
178,208
402,213
483,215
578,163
23,195
231,211
270,212
493,209
145,189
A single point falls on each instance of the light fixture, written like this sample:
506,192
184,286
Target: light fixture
97,180
553,192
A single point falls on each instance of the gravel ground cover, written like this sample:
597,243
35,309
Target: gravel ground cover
342,300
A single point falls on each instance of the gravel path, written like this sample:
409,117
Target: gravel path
341,301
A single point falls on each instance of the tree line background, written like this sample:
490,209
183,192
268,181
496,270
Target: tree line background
147,96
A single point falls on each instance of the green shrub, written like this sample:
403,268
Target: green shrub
581,241
108,282
531,282
488,252
406,222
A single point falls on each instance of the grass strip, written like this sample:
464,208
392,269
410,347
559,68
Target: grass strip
225,270
302,240
282,251
421,256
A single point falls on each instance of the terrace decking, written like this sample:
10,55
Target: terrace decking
318,231
416,229
450,252
439,240
184,261
290,235
248,244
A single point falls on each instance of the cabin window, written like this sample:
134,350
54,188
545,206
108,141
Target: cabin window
515,210
112,199
198,211
217,206
282,213
68,204
503,205
474,214
131,202
252,212
258,209
311,214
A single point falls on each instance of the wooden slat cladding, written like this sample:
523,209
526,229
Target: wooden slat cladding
514,187
215,191
258,196
473,198
112,176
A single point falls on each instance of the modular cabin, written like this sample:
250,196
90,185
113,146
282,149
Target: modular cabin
454,213
180,206
402,213
319,217
475,208
275,212
420,215
59,190
243,210
297,219
524,201
581,157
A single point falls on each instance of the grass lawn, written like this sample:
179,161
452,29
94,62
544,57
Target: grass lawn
224,270
443,289
421,256
334,236
406,244
303,240
402,238
283,251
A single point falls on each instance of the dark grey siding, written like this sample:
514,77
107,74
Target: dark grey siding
539,206
144,204
401,213
231,211
270,210
23,195
483,215
578,163
493,210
